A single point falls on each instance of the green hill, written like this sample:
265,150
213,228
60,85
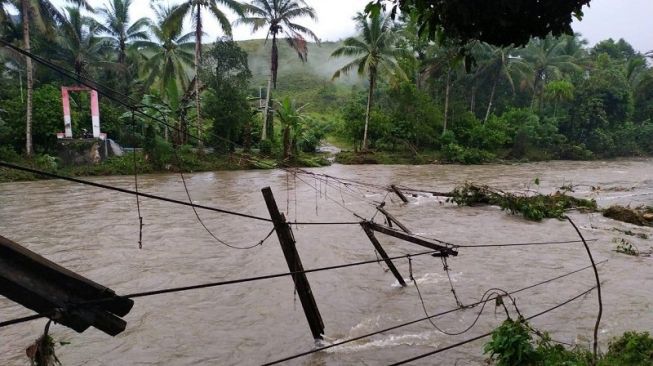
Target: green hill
308,82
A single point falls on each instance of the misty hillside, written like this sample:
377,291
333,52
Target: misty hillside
320,65
308,82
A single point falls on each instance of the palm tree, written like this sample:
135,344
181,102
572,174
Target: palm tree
43,13
117,27
500,64
277,16
79,43
168,56
375,52
549,61
443,60
194,8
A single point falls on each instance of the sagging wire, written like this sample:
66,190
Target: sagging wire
201,221
456,345
499,294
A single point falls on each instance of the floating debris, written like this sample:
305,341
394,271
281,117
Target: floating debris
641,216
532,207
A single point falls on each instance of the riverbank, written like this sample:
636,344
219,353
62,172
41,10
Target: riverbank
186,162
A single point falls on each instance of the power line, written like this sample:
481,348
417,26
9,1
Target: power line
425,318
456,345
128,191
523,244
217,284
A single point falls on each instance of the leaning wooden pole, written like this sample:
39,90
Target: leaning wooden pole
399,193
382,253
392,219
287,241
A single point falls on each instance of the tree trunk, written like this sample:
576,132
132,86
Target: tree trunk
30,78
274,62
489,105
264,133
198,56
446,101
370,96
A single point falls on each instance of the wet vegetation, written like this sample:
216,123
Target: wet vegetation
456,101
513,344
532,207
448,94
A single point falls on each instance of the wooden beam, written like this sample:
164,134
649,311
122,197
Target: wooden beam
392,219
47,288
399,193
382,253
287,241
446,251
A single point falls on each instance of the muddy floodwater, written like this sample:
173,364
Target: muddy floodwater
95,233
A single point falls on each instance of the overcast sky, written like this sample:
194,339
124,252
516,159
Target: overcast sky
616,19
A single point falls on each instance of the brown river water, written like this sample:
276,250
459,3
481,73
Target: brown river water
95,233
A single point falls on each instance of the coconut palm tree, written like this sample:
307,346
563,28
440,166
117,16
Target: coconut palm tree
499,64
374,53
194,9
278,16
117,26
43,14
549,61
442,61
79,43
168,55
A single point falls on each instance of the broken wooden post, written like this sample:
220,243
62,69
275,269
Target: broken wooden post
382,253
446,251
287,241
392,219
399,193
51,290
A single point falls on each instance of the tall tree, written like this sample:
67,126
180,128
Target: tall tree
278,17
79,43
43,13
194,9
549,61
499,64
121,32
169,54
442,61
373,53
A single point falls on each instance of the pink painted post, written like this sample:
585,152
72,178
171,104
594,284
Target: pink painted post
95,114
65,98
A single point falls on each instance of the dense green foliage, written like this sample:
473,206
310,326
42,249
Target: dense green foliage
553,98
501,23
533,207
512,344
